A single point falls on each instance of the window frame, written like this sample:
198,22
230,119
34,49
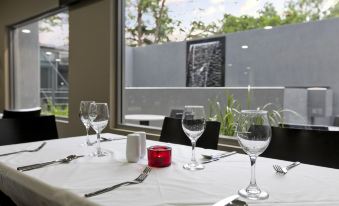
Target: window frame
118,126
11,61
225,143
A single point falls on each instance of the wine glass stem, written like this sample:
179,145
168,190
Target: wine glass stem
99,152
87,138
253,159
193,152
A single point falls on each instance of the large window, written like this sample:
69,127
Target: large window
39,64
277,55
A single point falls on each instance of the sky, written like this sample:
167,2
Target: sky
209,11
213,10
58,35
187,11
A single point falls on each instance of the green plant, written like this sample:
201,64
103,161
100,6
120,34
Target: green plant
226,115
57,110
276,114
229,114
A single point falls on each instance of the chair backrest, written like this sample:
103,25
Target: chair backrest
13,131
314,147
172,132
336,121
300,126
21,113
176,113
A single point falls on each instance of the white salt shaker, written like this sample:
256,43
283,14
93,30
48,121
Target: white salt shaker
133,148
142,136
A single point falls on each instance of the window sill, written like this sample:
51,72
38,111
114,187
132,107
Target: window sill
61,120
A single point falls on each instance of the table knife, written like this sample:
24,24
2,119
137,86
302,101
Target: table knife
218,158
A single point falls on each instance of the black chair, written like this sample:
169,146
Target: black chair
172,132
21,113
13,131
314,147
176,113
300,126
336,121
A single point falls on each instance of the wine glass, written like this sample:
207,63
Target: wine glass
98,115
254,136
84,116
193,123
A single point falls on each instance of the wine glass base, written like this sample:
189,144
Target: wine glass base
259,195
102,154
193,166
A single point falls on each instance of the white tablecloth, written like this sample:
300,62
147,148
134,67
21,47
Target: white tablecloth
66,184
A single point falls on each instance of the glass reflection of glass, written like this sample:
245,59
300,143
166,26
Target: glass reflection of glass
254,136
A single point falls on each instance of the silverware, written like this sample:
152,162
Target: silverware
217,155
26,150
105,139
65,160
137,180
216,158
284,170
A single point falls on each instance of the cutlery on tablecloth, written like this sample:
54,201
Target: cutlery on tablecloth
26,150
137,180
218,157
65,160
231,201
284,170
105,139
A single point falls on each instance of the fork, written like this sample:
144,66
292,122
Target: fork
137,180
284,170
26,150
65,160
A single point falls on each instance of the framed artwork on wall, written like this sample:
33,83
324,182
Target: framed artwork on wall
205,62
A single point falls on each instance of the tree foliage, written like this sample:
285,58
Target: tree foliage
150,22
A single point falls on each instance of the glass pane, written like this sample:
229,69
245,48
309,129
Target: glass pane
279,56
40,75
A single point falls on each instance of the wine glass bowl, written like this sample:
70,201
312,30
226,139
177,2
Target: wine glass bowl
254,136
99,115
193,123
84,117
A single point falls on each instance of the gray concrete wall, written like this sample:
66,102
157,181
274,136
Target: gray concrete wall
299,55
158,65
129,67
293,55
296,99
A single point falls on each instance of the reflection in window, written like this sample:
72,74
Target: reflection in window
40,65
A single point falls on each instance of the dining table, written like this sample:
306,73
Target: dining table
67,183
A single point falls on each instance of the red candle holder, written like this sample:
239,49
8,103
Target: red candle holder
159,156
